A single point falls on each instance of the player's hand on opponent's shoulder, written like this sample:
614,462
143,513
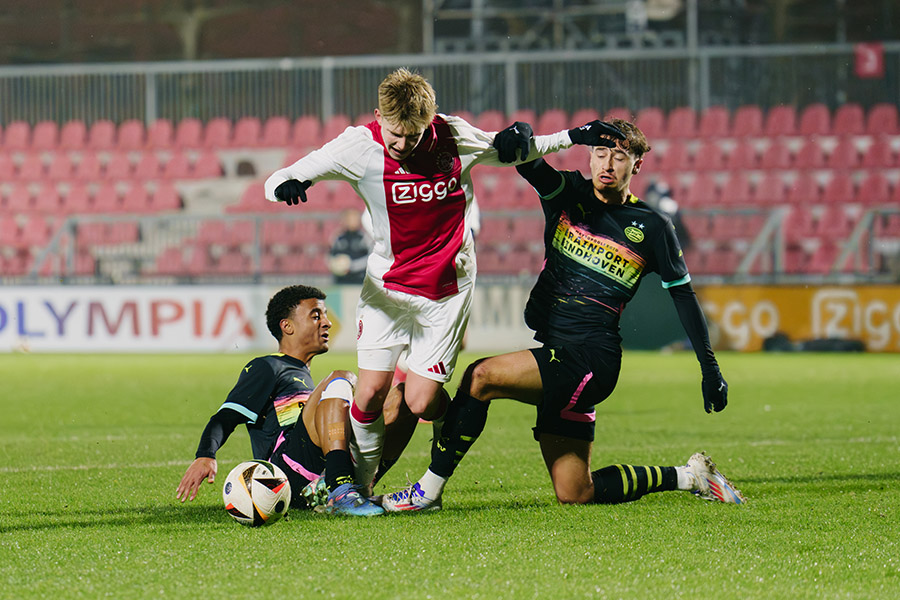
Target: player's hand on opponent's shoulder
715,391
515,137
202,468
292,191
596,133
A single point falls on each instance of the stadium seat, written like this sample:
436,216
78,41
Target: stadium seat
804,190
677,159
776,156
217,133
701,192
882,119
839,190
849,119
77,199
160,134
188,133
584,115
834,223
681,123
7,167
46,200
206,166
799,225
616,112
307,132
743,156
32,168
770,191
363,119
73,135
735,190
748,121
714,123
551,121
147,166
874,190
106,199
18,199
491,120
811,155
844,156
131,135
276,132
722,261
213,232
780,121
35,231
135,199
652,121
60,167
101,135
709,156
822,259
165,198
815,119
334,126
45,135
17,136
89,168
118,166
879,154
177,167
247,132
526,115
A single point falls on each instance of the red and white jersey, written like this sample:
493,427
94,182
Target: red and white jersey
421,207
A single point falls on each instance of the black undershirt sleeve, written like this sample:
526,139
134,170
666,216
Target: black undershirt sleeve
694,323
220,426
542,177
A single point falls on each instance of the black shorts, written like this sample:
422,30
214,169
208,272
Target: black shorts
300,459
575,379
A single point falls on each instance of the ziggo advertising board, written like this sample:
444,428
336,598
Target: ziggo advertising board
747,315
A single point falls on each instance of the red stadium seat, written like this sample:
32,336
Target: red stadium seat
616,112
131,135
32,168
177,167
35,231
677,159
769,191
77,199
45,136
839,190
815,119
46,199
60,167
811,155
882,119
119,166
18,199
147,166
844,156
165,198
780,121
89,168
188,133
736,190
849,119
804,190
652,121
334,126
714,122
701,192
551,121
73,135
681,123
307,132
799,225
584,115
743,156
217,133
247,133
7,167
102,135
879,155
777,156
748,121
526,115
160,134
491,120
873,191
106,199
709,156
17,136
206,166
276,132
136,199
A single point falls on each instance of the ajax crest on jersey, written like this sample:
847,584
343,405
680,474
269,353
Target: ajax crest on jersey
256,492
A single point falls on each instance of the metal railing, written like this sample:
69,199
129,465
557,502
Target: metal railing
570,80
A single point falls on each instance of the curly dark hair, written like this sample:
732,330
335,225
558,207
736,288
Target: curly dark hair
285,301
635,141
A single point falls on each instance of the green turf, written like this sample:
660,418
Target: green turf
92,448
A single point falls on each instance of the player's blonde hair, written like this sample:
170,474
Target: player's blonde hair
635,141
407,99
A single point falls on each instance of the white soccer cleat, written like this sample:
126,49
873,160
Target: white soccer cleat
409,499
709,483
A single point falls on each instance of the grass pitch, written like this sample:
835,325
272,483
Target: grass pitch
93,447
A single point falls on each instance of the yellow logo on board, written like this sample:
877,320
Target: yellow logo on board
634,234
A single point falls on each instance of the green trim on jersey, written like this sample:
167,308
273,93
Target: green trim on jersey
251,416
668,284
554,193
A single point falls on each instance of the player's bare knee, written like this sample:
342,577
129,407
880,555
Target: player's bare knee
478,380
573,495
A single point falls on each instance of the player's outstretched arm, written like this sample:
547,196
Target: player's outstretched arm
202,468
292,191
714,387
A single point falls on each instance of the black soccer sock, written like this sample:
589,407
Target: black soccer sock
383,467
624,483
338,469
463,423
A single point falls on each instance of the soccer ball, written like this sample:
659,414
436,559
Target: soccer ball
256,492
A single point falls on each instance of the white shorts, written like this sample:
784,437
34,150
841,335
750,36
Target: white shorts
431,331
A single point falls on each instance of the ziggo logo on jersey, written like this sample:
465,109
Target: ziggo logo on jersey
412,191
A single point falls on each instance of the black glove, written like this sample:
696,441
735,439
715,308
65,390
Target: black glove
715,392
292,191
515,137
592,134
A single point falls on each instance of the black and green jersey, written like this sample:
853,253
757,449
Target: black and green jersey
268,398
596,255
